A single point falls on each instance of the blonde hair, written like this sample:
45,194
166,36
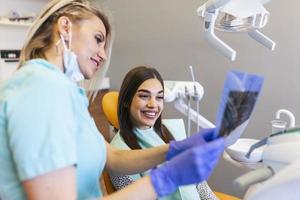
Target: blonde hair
40,35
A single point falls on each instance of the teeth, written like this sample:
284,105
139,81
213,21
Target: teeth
150,113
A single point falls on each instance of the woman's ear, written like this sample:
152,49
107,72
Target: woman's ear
64,27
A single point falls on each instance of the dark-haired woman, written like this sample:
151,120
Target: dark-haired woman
141,126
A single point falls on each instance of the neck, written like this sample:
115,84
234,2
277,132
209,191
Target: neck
55,57
144,127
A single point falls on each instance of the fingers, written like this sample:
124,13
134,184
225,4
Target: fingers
208,156
210,135
204,167
214,147
207,134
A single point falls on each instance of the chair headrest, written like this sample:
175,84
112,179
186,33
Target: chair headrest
110,107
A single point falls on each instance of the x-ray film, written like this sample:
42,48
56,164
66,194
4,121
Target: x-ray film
239,96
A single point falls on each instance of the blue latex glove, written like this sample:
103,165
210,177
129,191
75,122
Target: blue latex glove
192,166
176,147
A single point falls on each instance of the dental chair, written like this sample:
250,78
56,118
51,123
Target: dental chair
109,106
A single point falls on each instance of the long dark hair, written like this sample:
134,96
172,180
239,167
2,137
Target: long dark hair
133,79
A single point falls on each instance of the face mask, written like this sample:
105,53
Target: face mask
71,65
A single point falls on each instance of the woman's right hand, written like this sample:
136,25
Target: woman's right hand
192,166
197,139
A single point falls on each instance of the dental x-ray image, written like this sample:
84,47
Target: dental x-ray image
240,93
238,110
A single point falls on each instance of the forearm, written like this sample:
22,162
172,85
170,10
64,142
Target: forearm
133,191
52,185
135,161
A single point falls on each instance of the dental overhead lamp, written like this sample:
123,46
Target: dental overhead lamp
234,16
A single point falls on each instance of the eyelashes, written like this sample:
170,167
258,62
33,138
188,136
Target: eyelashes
99,39
148,96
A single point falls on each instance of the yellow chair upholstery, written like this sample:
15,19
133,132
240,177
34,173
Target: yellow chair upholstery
110,106
223,196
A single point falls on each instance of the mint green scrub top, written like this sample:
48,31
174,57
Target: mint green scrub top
44,126
148,138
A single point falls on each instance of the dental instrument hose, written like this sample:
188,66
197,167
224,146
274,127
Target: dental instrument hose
188,111
196,96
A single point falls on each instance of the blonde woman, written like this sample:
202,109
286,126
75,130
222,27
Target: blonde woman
50,147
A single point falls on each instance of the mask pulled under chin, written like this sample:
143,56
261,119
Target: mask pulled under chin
72,70
71,65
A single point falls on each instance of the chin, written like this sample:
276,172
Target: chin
88,75
149,124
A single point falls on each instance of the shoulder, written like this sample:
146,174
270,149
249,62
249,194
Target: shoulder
39,75
118,142
176,128
34,81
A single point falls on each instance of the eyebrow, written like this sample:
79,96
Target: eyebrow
147,91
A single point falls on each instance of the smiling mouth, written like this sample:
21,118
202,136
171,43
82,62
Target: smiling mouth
97,62
150,114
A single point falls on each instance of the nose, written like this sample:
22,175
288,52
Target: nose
152,102
102,54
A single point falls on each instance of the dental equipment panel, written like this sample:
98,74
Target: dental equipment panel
279,130
283,185
181,93
178,92
281,152
234,16
280,170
